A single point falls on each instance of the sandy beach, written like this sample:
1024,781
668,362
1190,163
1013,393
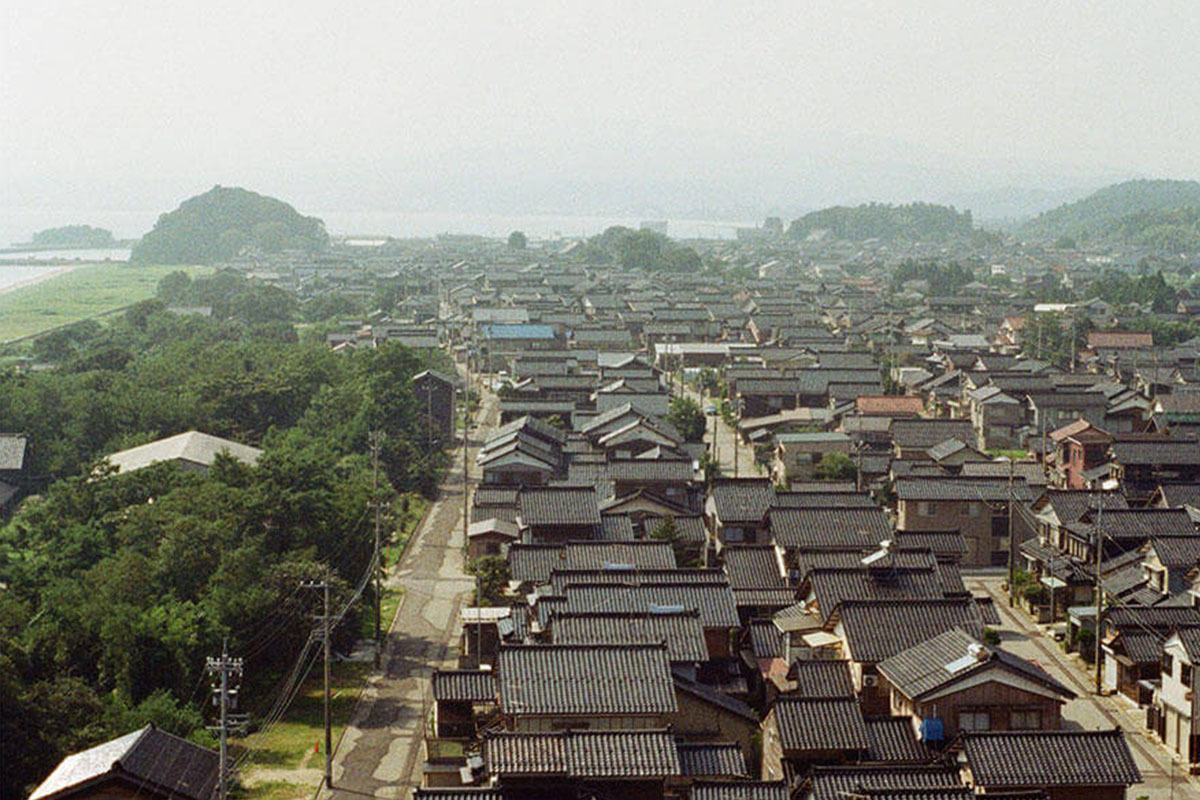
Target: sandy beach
44,274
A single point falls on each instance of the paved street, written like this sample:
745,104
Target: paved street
739,465
381,753
1089,712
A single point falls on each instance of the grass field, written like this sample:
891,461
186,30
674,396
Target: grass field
81,293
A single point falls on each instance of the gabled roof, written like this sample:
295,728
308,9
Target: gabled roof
818,723
711,760
742,499
559,505
464,685
1159,451
821,678
924,433
754,567
585,679
952,656
893,739
829,527
985,489
192,446
834,783
832,587
714,601
815,495
149,756
582,754
534,562
1050,758
682,631
879,629
740,790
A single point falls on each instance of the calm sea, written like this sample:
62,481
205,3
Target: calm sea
18,225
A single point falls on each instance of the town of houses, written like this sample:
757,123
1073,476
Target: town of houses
813,600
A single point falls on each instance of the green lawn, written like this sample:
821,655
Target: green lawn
289,745
84,292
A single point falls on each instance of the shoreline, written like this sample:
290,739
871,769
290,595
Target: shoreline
51,272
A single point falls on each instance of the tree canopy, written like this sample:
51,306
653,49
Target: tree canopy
74,236
1163,214
912,222
217,225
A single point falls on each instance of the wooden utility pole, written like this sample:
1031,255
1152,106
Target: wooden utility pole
376,439
1098,589
326,624
1012,544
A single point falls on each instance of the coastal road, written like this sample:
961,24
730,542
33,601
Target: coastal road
1020,636
382,750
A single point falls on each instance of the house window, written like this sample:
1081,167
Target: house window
1185,674
1026,720
1168,664
974,721
926,509
972,509
733,534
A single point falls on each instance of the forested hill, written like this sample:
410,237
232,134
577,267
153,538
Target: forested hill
74,236
218,224
1151,213
913,222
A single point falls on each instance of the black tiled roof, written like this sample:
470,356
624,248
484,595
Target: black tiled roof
1161,452
804,498
766,641
690,527
464,685
157,759
711,760
808,559
924,433
879,629
740,790
832,587
714,601
961,488
742,499
795,528
943,544
534,562
1071,505
623,575
754,567
585,679
682,632
1142,523
1043,759
925,667
616,528
834,783
893,739
807,724
561,505
819,678
582,754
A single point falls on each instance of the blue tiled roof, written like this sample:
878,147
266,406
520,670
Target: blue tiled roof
518,331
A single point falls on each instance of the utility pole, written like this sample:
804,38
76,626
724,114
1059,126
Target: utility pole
325,629
225,697
1099,591
376,440
1012,544
466,440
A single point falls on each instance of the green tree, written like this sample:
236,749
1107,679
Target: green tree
517,240
492,576
686,417
835,467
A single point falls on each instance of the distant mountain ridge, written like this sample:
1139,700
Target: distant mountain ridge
1147,212
218,224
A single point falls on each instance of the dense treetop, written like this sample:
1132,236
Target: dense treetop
640,249
74,236
912,222
1152,213
218,224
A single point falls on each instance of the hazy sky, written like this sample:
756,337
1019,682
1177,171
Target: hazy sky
688,107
